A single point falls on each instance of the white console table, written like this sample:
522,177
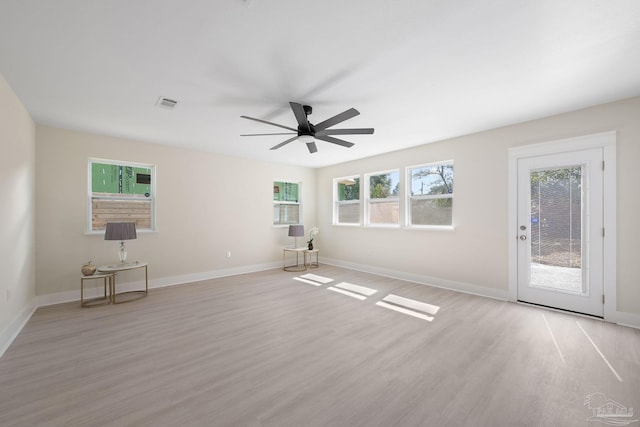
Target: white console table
119,267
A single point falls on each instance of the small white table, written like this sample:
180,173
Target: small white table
297,266
124,266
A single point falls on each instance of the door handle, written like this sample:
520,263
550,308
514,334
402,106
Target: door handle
523,237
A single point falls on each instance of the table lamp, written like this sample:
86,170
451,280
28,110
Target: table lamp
121,231
296,231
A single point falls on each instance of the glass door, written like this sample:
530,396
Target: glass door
560,231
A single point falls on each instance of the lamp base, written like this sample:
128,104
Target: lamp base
122,253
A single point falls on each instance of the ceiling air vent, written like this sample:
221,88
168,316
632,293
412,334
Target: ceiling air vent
166,103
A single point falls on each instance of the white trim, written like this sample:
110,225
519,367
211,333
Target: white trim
607,142
285,202
138,231
609,262
432,227
336,202
467,288
408,197
70,296
625,319
621,318
15,327
368,200
383,226
152,197
512,224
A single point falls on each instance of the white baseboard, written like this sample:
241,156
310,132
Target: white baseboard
13,329
467,288
625,319
619,317
95,291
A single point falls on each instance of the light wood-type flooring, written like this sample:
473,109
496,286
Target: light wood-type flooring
263,349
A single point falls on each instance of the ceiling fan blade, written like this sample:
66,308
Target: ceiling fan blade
311,146
338,118
266,134
335,140
301,116
282,144
269,123
356,131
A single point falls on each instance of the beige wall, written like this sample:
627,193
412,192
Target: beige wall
209,204
475,253
17,250
206,205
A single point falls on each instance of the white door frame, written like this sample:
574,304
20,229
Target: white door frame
606,141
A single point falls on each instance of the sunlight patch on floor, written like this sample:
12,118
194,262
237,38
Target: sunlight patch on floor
404,311
309,282
553,338
362,290
409,306
348,293
599,352
316,278
412,304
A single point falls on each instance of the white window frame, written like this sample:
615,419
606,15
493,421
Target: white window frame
337,203
284,202
152,194
410,197
369,200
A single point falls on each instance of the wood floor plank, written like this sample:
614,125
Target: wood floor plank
261,350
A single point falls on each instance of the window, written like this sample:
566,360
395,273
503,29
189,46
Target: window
286,203
430,192
121,192
383,206
347,200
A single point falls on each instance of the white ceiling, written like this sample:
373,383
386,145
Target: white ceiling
417,70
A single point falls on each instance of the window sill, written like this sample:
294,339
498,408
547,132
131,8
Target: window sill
431,227
392,226
101,232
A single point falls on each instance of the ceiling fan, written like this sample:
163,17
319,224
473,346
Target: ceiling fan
308,132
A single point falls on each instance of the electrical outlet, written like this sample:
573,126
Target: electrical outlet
228,254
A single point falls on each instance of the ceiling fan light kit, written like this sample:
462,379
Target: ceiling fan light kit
307,139
308,132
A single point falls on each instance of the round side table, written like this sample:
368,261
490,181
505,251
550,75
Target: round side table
309,260
107,281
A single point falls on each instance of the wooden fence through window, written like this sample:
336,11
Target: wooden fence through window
106,210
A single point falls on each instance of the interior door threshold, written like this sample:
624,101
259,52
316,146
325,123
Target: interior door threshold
560,310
